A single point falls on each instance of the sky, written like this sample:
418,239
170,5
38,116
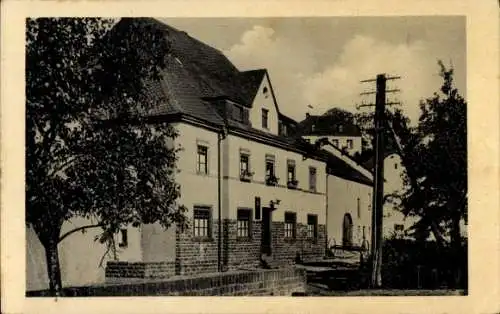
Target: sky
320,61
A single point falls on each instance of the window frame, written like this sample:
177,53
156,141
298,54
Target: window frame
290,225
265,118
313,187
248,169
207,212
241,226
270,159
312,234
350,143
198,163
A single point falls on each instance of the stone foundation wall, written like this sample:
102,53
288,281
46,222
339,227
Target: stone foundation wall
194,256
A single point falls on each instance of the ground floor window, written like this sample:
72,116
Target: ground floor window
312,227
202,222
290,222
244,223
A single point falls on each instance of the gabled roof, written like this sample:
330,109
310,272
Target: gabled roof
196,74
340,168
250,83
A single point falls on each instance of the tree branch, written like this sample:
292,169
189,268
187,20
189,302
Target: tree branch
434,226
78,229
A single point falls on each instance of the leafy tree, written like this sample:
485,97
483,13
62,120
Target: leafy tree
88,153
436,153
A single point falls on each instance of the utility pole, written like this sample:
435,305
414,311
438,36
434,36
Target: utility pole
378,184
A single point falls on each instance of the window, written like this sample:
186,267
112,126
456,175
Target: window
245,166
269,167
243,223
202,159
238,113
202,226
336,143
341,128
290,170
124,238
398,227
349,144
312,226
290,221
271,178
312,179
359,208
395,166
264,118
364,232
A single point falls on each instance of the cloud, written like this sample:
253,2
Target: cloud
300,79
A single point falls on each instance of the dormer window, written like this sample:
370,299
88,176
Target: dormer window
238,113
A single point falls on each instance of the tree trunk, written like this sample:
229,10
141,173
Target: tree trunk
456,245
53,267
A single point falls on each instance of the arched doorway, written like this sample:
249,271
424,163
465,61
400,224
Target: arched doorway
347,230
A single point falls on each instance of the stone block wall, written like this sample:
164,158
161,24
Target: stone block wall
195,256
117,269
285,250
277,282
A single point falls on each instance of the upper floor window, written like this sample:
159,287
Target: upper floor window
244,164
243,223
202,162
359,208
270,171
349,144
245,173
291,178
202,222
335,143
312,226
290,222
265,123
282,128
312,179
265,91
238,113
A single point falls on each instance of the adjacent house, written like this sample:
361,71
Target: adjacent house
257,194
343,134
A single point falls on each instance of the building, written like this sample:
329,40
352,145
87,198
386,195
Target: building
395,223
257,194
341,132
